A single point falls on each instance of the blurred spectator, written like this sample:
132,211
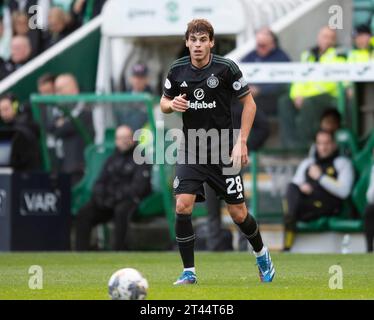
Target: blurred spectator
331,122
320,185
20,55
25,154
139,80
267,50
117,193
300,111
219,239
134,114
46,84
48,114
20,21
362,51
72,129
5,38
57,27
84,10
369,214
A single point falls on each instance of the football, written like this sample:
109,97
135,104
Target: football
127,284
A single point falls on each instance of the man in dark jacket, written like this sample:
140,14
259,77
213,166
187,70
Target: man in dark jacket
25,155
116,194
20,54
267,50
58,27
66,128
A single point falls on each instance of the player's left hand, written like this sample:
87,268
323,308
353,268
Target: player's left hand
315,172
239,155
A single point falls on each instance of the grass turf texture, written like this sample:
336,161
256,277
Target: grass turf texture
231,276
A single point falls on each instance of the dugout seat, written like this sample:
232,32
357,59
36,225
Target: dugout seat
344,223
318,225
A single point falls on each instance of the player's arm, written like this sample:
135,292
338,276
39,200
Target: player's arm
240,151
179,104
172,100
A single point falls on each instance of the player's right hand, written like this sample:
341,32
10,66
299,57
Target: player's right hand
179,103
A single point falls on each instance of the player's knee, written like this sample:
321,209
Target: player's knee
184,206
238,212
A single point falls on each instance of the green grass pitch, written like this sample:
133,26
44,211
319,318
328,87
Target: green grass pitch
228,276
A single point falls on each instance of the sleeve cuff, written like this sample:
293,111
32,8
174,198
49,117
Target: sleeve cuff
168,96
244,94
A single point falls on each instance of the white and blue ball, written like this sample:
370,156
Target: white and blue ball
127,284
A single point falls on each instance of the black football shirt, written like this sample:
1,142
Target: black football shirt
209,92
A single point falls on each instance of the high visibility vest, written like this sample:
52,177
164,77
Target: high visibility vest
312,88
360,55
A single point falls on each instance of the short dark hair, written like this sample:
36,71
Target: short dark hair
362,29
332,113
200,26
13,100
321,131
8,96
47,77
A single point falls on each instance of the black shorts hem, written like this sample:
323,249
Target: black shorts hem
199,197
234,202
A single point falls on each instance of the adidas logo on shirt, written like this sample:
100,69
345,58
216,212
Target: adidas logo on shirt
240,196
184,84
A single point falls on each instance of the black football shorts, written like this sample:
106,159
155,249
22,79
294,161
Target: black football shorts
189,179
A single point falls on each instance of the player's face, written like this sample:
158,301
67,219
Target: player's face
199,46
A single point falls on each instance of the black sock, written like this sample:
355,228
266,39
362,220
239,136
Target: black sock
185,238
250,229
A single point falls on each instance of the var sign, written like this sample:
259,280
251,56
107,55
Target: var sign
39,202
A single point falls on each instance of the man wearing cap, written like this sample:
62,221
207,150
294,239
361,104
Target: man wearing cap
139,80
134,114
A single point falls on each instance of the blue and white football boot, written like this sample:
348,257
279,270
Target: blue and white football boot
265,267
187,277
